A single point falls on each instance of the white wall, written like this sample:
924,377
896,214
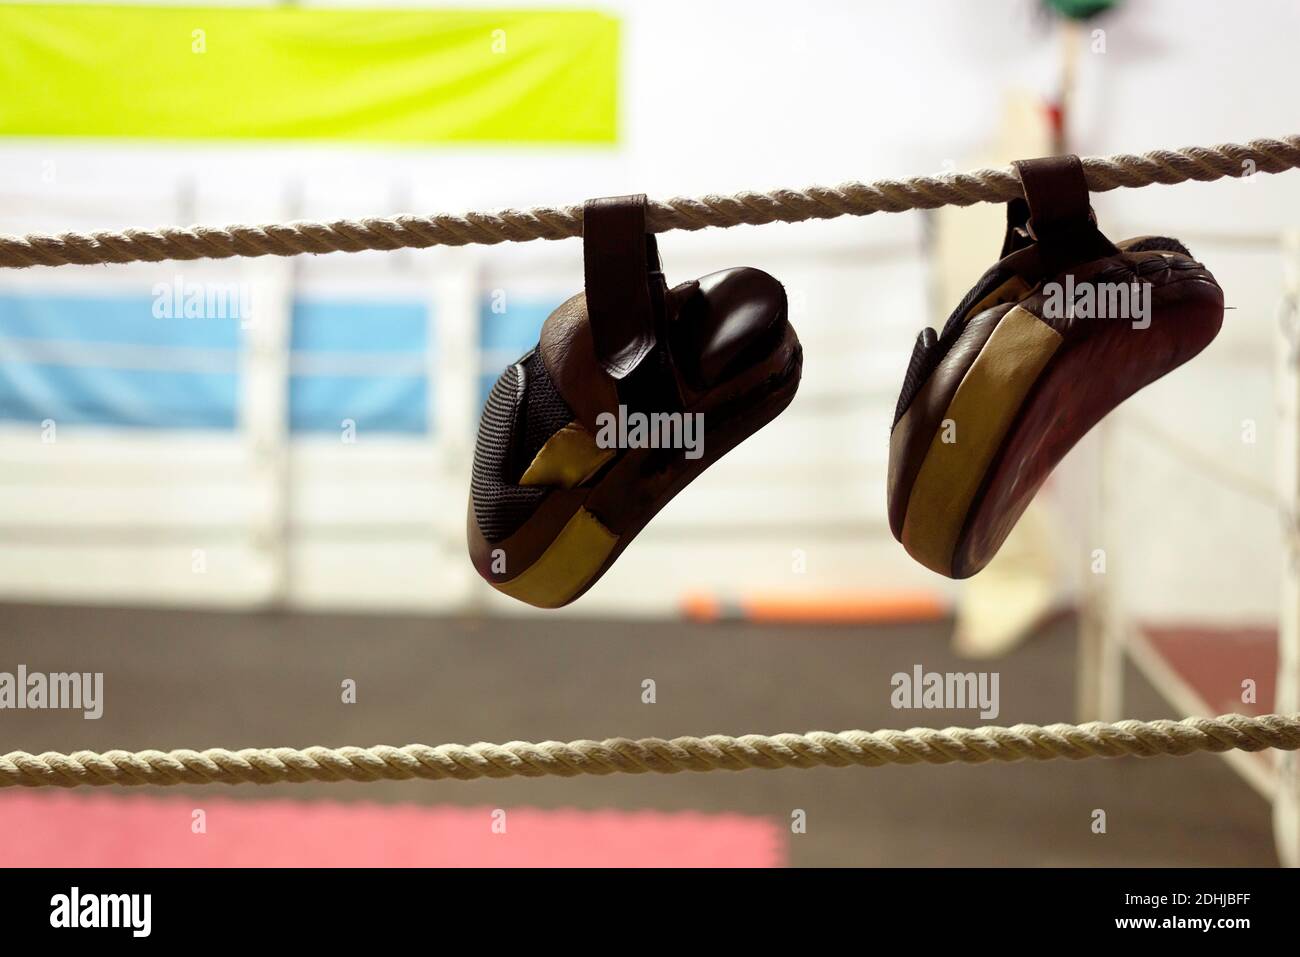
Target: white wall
718,96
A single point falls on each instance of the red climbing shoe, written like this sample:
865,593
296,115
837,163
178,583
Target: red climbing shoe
1054,336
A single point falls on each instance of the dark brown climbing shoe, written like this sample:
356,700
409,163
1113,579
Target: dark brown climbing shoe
633,390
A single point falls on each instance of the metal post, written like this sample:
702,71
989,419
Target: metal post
1286,802
264,414
1100,667
454,367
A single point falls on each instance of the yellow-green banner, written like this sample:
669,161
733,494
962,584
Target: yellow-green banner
369,75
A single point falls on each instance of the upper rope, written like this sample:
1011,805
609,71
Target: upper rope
1103,173
654,755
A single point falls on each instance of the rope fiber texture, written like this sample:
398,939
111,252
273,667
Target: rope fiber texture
512,225
624,756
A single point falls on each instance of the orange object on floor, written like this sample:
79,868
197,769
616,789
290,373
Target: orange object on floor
821,608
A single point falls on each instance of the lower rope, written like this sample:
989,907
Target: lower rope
624,756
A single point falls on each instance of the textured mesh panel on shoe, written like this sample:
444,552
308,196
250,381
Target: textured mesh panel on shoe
927,351
1157,244
547,412
924,358
523,410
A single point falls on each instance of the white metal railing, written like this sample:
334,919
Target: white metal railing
1286,803
1109,631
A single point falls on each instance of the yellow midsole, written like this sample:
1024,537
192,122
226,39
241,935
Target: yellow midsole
974,425
567,565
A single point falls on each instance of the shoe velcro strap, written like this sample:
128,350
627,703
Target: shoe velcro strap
1055,214
619,257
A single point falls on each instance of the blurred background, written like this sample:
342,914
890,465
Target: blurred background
233,487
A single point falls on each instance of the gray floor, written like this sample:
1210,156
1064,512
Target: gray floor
198,679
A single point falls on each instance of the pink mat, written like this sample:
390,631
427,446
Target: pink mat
53,829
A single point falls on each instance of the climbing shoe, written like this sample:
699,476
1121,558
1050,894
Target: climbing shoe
1062,329
631,392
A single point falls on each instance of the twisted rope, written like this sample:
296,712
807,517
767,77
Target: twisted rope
624,756
512,225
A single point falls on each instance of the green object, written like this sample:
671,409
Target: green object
1080,9
284,73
